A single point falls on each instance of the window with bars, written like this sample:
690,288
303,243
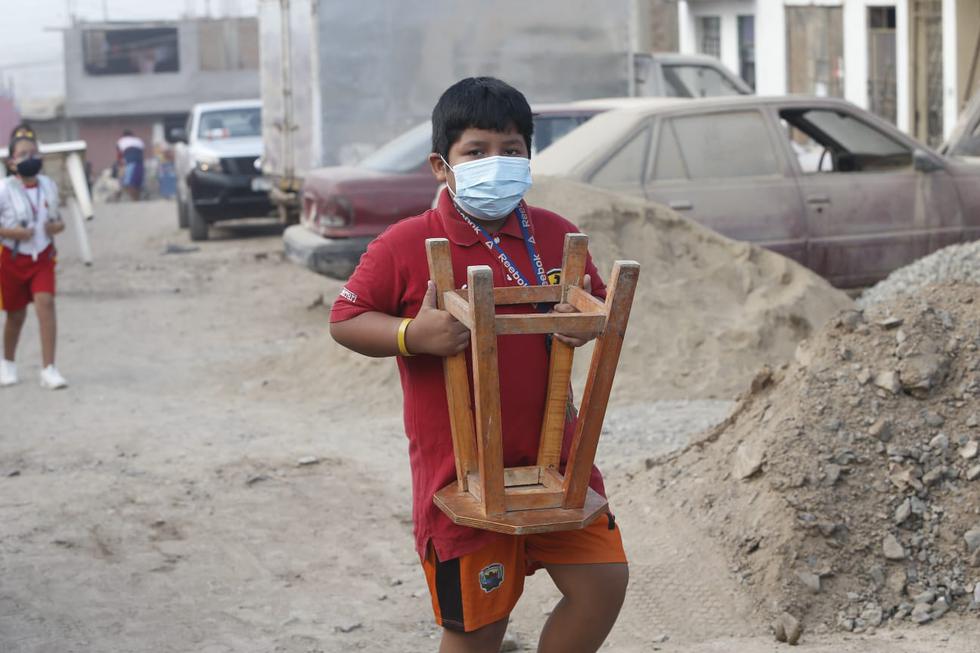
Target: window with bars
709,35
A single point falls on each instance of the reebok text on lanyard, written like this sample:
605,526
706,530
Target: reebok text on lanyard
529,243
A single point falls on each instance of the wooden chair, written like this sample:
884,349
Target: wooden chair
538,498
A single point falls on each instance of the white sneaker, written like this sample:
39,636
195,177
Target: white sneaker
52,379
8,372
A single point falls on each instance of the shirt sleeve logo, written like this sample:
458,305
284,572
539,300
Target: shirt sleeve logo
491,577
348,295
554,276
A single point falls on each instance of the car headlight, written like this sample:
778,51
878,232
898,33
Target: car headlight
207,163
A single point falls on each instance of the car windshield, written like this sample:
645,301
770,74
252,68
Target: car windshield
230,123
403,154
696,81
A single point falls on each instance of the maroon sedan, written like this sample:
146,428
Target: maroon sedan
345,207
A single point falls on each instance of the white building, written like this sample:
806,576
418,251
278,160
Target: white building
914,62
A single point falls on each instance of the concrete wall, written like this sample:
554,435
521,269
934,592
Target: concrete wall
134,95
656,26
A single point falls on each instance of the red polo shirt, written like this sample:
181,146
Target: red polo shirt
391,278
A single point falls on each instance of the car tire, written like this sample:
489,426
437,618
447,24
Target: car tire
183,219
198,225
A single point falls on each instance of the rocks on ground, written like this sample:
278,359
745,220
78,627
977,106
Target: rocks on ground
846,484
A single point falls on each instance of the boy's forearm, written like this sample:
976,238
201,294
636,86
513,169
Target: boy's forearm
371,334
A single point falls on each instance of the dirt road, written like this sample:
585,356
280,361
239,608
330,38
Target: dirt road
158,505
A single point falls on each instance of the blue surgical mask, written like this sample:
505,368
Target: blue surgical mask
491,188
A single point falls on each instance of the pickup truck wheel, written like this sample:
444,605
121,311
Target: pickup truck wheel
196,222
183,220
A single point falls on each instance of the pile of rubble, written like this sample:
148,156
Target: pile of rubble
954,263
847,484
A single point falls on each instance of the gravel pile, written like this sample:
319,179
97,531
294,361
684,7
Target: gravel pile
956,263
847,484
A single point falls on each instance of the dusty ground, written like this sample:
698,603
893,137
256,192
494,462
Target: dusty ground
157,504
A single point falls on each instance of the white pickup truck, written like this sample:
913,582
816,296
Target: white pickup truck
218,177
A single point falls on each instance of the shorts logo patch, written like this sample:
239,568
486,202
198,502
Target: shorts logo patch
491,577
554,276
348,295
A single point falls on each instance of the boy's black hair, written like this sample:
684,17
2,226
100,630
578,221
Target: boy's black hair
481,103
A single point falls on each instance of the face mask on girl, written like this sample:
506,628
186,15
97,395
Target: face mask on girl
29,167
491,188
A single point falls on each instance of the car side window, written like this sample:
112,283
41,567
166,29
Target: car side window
668,162
696,81
719,145
548,129
625,167
825,140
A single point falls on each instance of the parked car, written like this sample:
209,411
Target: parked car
215,160
344,207
816,179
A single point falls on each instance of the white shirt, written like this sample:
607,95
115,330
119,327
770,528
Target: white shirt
127,142
31,208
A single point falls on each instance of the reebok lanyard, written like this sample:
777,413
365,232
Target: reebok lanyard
532,254
532,251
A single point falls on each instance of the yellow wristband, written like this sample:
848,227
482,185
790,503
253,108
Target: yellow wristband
402,328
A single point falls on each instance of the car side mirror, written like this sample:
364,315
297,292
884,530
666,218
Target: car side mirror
177,135
922,161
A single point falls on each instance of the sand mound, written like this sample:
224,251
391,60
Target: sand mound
709,310
846,484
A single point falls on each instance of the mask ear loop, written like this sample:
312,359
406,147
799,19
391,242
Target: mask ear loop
448,187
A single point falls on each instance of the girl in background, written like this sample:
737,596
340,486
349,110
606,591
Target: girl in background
28,222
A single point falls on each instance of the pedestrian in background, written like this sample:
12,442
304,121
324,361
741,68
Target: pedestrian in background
29,220
130,152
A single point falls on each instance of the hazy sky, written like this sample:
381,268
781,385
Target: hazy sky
31,46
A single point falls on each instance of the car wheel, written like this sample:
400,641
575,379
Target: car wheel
198,225
182,212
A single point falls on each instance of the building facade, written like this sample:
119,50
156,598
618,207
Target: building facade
146,76
914,62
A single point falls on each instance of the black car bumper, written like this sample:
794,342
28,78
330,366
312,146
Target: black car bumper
219,196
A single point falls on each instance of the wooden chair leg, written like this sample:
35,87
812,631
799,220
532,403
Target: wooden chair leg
454,369
560,368
619,301
483,342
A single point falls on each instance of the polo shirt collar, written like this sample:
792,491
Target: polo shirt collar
463,234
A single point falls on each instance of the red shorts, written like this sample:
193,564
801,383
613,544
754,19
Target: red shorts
21,277
480,588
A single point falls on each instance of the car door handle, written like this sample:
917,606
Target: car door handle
680,205
818,199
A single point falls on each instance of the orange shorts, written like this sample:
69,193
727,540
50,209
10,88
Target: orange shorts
479,588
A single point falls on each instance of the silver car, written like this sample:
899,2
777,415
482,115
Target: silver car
816,179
